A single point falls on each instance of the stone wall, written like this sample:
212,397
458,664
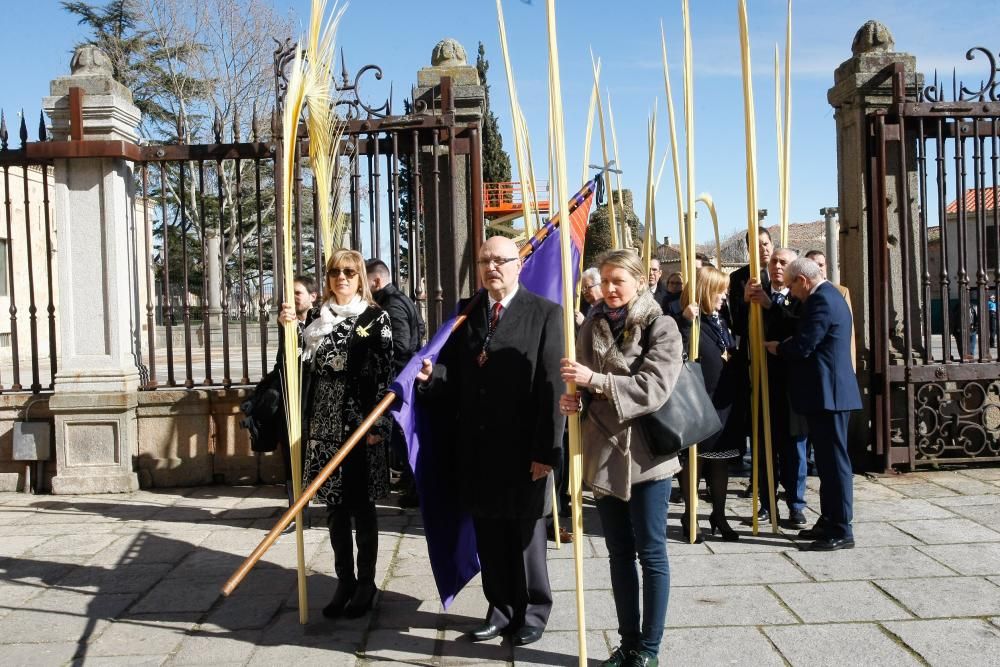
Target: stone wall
186,438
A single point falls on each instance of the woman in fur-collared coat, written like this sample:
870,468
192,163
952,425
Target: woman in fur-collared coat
629,355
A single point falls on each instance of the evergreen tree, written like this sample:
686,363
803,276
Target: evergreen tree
496,162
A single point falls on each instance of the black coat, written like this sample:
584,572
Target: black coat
505,414
405,325
739,310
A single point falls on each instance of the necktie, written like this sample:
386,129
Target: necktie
495,317
777,298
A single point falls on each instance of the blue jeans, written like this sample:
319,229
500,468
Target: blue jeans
791,473
638,528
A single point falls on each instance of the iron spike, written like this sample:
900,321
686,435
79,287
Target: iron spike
42,133
236,124
181,127
254,123
23,133
217,125
343,66
3,131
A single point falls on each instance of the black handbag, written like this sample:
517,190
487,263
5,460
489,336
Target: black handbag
687,418
264,412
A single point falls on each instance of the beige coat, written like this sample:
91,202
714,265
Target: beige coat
615,456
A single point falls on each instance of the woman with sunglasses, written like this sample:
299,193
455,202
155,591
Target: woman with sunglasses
347,361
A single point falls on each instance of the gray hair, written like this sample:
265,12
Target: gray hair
591,275
803,266
794,253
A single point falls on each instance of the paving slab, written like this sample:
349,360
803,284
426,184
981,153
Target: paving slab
455,649
972,559
925,490
726,605
413,646
562,648
948,643
141,635
51,653
898,510
718,646
765,568
839,602
947,531
868,563
216,648
962,501
963,484
945,597
837,645
983,474
984,514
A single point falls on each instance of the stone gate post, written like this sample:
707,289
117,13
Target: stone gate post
94,404
859,90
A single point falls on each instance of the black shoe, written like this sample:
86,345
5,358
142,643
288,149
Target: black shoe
345,590
362,600
747,492
719,523
686,530
409,499
814,533
618,658
641,659
830,544
527,635
796,519
763,516
484,632
675,497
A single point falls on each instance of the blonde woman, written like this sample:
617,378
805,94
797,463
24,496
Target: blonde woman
347,367
629,356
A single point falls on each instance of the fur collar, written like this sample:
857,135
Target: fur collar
641,313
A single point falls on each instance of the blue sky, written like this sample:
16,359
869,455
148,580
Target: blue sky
399,36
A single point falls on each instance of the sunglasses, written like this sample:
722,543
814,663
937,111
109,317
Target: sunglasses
336,271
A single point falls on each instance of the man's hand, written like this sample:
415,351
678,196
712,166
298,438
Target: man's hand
572,371
539,470
287,314
426,370
756,294
771,346
374,439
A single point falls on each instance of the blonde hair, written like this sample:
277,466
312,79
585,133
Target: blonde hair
346,258
710,281
625,259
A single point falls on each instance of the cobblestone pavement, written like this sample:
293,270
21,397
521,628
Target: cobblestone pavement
134,580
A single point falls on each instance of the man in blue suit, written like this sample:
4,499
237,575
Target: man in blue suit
819,358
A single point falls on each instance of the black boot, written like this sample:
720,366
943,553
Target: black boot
341,598
366,535
362,600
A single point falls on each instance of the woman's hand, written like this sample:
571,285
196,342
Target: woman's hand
570,404
287,314
426,370
374,439
691,312
572,371
579,318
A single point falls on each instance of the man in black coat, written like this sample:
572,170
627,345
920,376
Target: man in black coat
406,334
498,375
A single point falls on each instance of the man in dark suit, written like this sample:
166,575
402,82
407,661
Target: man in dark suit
406,328
781,312
498,375
656,286
819,359
737,427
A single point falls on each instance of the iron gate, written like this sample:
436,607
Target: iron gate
934,167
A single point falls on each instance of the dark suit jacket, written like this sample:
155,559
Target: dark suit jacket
739,310
819,355
405,325
506,413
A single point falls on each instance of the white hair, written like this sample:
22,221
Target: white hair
803,266
593,275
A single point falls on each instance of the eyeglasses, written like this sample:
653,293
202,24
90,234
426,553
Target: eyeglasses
496,261
590,287
336,271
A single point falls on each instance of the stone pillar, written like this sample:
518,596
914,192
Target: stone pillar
94,404
213,247
457,271
832,230
860,88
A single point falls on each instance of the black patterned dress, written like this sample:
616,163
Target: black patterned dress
348,376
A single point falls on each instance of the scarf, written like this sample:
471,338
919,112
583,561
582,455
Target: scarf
722,337
616,318
330,315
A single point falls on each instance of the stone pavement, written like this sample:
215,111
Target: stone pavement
134,580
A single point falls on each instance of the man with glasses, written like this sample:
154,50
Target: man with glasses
498,379
590,290
656,287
